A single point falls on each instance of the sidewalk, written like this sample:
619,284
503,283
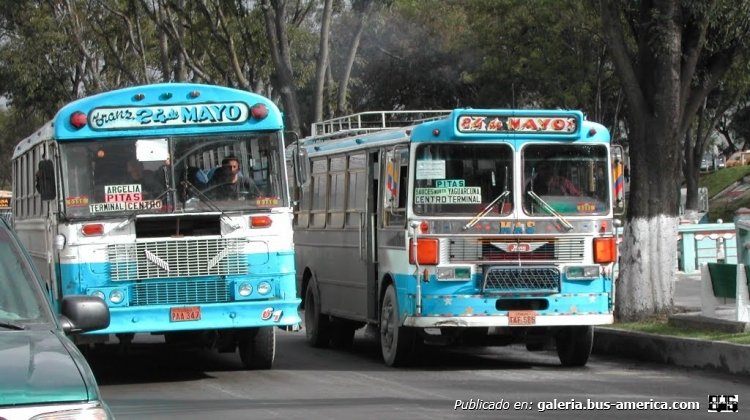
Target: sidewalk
685,352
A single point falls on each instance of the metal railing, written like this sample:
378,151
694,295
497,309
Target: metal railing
364,122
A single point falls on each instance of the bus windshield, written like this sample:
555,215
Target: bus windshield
113,177
569,179
463,179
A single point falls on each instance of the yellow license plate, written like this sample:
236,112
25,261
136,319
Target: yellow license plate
185,313
521,317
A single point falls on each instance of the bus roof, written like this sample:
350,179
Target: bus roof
160,109
43,134
520,124
386,127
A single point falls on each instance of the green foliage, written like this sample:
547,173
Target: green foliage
13,122
717,181
36,63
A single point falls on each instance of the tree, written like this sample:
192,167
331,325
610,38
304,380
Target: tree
274,14
364,8
719,107
322,62
656,47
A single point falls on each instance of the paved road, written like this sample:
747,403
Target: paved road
154,382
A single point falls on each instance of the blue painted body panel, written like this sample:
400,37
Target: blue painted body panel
164,94
454,298
276,268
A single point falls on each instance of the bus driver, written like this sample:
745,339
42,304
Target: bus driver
227,182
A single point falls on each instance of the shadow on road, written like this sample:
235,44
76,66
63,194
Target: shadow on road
154,361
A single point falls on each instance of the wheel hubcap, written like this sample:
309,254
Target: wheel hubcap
386,326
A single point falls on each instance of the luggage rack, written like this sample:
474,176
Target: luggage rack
370,121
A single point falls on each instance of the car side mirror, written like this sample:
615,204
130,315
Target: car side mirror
83,313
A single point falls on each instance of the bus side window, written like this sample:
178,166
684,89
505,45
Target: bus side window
396,182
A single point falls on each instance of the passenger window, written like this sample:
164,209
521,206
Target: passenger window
395,187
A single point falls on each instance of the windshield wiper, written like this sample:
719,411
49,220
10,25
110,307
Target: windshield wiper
486,210
210,203
132,215
550,210
10,325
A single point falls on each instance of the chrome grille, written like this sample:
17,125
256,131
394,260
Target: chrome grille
179,293
564,249
514,280
169,259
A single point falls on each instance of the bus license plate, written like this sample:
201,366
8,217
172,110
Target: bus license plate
521,317
186,313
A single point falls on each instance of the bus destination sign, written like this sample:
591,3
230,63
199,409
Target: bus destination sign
168,115
494,124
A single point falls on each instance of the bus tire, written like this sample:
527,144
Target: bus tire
317,325
574,345
397,343
258,348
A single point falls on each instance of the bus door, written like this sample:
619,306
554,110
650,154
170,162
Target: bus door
368,232
392,235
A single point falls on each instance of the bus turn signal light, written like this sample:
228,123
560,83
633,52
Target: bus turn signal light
605,250
427,251
95,229
260,222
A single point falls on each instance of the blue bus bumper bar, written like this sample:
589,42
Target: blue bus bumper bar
240,314
481,311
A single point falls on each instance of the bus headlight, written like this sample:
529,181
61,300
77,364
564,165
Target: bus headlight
454,273
116,296
582,272
264,287
99,294
245,289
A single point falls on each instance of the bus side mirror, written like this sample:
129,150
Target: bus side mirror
301,164
45,180
620,176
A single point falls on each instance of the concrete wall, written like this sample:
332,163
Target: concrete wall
702,243
705,242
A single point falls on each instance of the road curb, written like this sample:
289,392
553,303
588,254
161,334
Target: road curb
685,352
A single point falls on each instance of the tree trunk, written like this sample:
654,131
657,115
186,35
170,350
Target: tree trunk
652,91
663,98
275,20
342,104
322,63
693,158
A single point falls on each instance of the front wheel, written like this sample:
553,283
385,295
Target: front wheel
397,343
574,345
258,348
317,325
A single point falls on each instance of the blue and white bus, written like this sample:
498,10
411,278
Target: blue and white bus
116,198
468,226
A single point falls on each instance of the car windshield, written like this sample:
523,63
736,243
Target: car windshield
126,176
465,179
568,179
21,298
